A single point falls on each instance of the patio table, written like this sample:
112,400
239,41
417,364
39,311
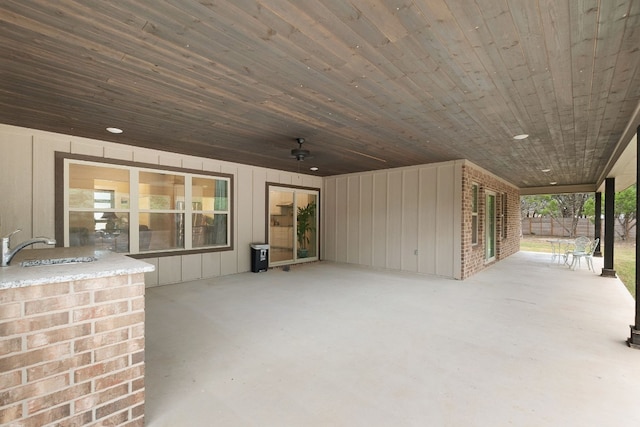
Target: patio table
559,248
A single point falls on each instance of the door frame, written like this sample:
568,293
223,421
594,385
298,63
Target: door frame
270,186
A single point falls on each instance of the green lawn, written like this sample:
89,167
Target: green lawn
624,258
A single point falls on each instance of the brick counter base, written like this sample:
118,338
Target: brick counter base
73,353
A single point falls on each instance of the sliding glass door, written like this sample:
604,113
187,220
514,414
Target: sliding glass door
293,225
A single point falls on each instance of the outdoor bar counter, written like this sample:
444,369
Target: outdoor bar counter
72,346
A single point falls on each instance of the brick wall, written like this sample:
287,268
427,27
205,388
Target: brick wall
473,255
73,353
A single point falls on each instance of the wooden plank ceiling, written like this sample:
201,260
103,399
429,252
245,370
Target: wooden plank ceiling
369,84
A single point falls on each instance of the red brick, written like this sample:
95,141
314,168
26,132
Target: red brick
123,348
101,283
118,419
98,311
10,345
119,405
137,411
49,416
10,311
56,303
38,372
31,324
10,379
100,369
33,357
137,384
118,322
119,377
58,335
135,423
10,413
96,399
122,292
137,357
34,389
137,331
137,304
33,292
77,420
100,340
49,400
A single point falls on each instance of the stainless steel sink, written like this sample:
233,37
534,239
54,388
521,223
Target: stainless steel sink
57,261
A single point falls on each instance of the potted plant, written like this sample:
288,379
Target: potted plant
306,221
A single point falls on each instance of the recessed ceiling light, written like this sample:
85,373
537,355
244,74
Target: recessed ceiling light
314,168
114,130
546,170
553,182
521,136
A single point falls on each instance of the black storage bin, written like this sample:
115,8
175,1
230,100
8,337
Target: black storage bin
259,257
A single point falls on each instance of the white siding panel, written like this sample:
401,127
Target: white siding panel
211,165
366,220
16,186
167,159
329,227
380,220
445,226
118,151
145,155
427,221
191,267
259,210
229,259
169,270
353,219
244,200
87,147
409,220
273,176
211,264
397,212
394,223
190,162
341,219
44,148
151,277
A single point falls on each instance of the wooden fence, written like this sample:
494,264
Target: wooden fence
560,227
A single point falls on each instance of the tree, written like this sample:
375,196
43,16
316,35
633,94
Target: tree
624,210
557,206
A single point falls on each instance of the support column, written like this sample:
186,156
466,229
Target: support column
609,226
598,224
634,339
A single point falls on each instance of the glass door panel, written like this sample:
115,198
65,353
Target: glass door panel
281,243
491,228
293,225
306,220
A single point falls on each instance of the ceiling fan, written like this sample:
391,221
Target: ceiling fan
299,153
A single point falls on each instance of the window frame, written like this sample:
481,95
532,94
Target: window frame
62,185
475,198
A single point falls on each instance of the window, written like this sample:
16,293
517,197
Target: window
504,216
474,214
135,209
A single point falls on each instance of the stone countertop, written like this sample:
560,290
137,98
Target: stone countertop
54,270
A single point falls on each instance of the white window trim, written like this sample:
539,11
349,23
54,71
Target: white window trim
134,211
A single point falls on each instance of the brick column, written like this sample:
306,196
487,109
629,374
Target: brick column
73,353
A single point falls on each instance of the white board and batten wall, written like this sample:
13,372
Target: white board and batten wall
27,196
407,219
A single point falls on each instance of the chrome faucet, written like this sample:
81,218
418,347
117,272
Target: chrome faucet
8,253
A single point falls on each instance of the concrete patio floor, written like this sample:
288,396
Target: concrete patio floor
523,343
